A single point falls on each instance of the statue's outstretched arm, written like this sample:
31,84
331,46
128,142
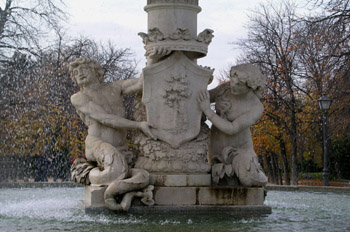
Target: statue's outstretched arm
131,86
86,106
240,123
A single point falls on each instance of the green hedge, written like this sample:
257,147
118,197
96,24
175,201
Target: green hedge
311,175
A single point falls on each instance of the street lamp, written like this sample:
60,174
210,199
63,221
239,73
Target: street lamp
324,103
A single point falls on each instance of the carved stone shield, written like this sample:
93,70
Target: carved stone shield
170,94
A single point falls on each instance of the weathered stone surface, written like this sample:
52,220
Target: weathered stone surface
231,196
209,196
160,157
170,90
175,195
179,180
225,210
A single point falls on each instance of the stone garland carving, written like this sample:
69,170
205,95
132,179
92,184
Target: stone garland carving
107,161
159,156
181,33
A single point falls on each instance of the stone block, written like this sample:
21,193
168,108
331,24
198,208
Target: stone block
180,180
231,196
93,196
209,196
175,195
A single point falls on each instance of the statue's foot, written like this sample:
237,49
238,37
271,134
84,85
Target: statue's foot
147,201
147,195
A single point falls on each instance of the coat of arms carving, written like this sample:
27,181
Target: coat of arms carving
169,94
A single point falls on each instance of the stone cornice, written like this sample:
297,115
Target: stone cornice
190,2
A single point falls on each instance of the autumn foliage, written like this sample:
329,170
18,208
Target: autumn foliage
38,119
303,58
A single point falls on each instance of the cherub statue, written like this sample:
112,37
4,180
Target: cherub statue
100,106
238,107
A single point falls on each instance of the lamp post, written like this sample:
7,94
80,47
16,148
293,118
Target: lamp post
324,103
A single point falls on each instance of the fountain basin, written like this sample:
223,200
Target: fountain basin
57,209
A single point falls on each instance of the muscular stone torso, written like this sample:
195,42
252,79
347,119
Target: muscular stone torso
110,101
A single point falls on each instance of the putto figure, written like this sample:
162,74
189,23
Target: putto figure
100,106
237,107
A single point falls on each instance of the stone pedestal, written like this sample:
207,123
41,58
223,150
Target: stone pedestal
232,200
176,192
93,196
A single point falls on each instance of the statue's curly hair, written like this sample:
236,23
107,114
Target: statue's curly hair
92,63
245,73
249,75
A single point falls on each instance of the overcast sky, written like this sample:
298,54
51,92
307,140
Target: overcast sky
121,20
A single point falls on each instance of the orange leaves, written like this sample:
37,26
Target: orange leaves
43,130
265,135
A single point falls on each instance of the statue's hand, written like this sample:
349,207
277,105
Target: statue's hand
203,100
146,129
157,54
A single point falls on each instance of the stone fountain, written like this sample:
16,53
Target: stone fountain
182,164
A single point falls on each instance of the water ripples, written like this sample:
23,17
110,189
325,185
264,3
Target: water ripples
50,209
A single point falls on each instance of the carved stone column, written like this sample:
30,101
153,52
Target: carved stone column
169,15
172,80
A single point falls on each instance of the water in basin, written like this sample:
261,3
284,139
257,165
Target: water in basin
57,209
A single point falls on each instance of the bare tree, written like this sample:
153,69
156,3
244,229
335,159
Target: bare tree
23,23
270,45
337,9
337,15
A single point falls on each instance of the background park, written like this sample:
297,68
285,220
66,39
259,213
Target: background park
302,47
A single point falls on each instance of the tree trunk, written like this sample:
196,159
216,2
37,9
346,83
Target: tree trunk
275,168
301,150
284,161
4,16
278,170
294,159
269,167
293,130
